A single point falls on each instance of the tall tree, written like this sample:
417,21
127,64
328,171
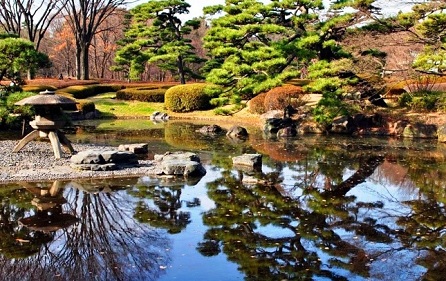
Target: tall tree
61,49
104,44
85,18
10,17
158,36
29,19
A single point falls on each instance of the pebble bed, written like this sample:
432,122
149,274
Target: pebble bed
36,162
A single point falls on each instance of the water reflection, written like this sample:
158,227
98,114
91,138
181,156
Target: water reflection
320,227
104,242
320,208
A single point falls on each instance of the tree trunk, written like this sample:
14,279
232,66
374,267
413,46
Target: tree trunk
31,74
365,170
181,70
78,62
85,71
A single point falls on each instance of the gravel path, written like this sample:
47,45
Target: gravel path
36,162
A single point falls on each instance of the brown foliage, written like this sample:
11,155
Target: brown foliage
280,97
256,104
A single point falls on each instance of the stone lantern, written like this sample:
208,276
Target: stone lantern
48,121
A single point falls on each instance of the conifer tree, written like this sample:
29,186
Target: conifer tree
158,36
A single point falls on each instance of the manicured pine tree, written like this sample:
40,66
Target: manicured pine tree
158,36
255,47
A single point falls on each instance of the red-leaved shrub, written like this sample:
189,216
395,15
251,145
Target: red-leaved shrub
279,97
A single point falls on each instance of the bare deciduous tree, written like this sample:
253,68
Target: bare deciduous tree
85,18
29,18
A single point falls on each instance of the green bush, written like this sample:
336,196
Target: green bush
11,115
189,97
38,88
423,101
86,106
142,94
86,91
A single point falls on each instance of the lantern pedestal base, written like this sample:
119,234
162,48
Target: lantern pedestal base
56,138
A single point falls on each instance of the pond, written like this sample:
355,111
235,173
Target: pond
320,208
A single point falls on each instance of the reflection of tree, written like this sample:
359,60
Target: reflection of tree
424,229
160,205
277,237
106,244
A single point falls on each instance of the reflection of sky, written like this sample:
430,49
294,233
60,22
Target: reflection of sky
187,263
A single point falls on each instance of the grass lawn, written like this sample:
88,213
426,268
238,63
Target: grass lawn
109,106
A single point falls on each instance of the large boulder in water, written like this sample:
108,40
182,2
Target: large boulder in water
180,164
103,160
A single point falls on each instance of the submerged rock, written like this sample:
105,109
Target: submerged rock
248,160
237,132
210,130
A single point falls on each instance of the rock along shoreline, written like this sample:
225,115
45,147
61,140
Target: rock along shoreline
36,162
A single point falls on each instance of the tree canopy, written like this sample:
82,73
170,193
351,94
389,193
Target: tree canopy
18,55
427,23
157,35
255,46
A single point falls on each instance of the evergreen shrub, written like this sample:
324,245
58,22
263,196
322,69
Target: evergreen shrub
188,97
86,91
38,88
11,116
86,106
423,101
145,94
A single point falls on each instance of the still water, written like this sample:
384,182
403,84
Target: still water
320,208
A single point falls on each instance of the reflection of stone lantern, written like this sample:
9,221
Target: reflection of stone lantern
49,216
48,121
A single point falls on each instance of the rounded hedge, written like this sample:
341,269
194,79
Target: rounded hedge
257,104
86,91
86,106
279,97
187,97
142,94
38,88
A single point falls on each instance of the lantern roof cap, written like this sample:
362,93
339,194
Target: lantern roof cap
46,98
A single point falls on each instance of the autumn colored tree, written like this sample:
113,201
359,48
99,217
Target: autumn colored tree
61,48
104,44
158,36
